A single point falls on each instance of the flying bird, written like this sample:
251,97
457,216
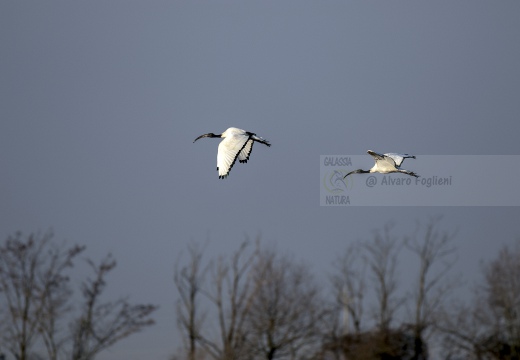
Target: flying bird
386,163
237,143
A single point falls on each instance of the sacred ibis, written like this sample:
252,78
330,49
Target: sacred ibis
237,143
386,163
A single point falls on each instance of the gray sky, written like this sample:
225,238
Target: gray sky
100,102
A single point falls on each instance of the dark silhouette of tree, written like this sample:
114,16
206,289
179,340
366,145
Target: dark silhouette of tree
489,327
349,285
35,290
287,310
102,324
381,255
227,292
259,305
502,291
231,294
369,270
189,282
436,256
36,302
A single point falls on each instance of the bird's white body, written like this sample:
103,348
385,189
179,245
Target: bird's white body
237,144
386,163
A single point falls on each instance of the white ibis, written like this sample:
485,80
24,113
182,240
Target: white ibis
237,143
386,163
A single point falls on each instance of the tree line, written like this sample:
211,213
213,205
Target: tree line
258,303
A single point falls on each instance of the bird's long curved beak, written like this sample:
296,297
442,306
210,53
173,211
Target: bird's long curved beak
344,177
358,171
205,135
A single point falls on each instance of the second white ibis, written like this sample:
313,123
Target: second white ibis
386,163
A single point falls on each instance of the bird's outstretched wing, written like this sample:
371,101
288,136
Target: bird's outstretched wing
228,151
399,158
376,156
384,163
244,154
260,139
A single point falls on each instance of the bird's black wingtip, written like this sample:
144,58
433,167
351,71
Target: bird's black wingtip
223,176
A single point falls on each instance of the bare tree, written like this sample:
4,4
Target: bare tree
436,257
371,268
189,281
489,327
35,290
55,299
262,306
462,329
101,325
345,316
227,292
502,291
365,269
349,286
286,312
381,255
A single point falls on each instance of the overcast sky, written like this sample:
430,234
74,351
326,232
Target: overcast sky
100,102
